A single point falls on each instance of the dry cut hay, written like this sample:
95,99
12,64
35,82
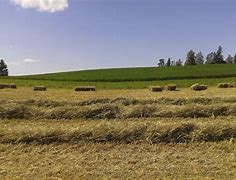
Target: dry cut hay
199,87
171,87
85,88
225,85
40,88
156,88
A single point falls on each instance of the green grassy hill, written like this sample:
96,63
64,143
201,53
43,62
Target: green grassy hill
142,74
131,78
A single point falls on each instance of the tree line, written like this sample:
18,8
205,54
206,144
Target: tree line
198,59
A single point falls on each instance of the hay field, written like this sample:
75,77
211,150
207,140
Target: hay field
136,134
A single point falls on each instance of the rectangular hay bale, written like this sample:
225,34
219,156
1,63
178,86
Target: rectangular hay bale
156,88
3,86
198,87
11,86
85,88
171,87
225,85
40,88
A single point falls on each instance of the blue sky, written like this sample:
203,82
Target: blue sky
88,34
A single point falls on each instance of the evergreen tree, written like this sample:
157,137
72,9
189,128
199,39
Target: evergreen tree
210,58
3,68
168,63
199,58
219,58
229,59
161,62
234,61
190,60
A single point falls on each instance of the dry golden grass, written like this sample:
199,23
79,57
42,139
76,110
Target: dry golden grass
53,143
151,131
119,161
64,94
118,108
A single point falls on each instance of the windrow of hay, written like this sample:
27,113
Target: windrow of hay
120,132
122,101
15,111
160,101
183,112
101,112
141,112
43,103
114,111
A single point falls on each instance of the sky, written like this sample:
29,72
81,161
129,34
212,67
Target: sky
39,36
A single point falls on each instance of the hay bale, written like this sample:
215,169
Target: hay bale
171,87
199,87
85,88
12,86
225,85
156,88
3,86
40,88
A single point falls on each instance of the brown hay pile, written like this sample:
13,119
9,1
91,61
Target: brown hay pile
116,132
199,87
225,85
156,88
85,88
11,86
4,86
171,87
40,88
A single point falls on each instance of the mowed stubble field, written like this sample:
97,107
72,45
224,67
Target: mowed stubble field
118,134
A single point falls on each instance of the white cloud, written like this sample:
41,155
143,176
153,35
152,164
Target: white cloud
28,60
22,62
43,5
